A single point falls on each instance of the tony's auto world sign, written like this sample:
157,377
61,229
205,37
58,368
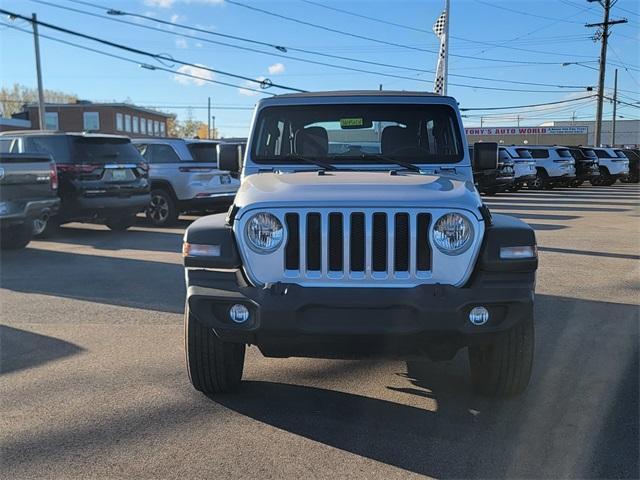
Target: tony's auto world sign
569,130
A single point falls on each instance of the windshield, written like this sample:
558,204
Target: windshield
203,152
418,134
104,150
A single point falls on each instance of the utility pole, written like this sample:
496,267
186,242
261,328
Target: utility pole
36,44
213,122
573,119
606,4
481,122
615,104
209,118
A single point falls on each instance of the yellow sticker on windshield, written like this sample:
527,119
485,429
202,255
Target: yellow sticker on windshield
351,122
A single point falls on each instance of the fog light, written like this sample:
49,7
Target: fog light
239,313
479,316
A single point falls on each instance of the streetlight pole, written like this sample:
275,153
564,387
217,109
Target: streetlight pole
615,104
36,44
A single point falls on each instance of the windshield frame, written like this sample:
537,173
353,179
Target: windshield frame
356,161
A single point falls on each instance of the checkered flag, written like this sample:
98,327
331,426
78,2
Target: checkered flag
440,29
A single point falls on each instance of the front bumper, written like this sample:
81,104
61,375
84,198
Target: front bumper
290,320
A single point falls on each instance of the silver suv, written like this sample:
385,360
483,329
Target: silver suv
380,248
555,166
184,177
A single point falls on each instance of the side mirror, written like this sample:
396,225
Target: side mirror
485,156
229,157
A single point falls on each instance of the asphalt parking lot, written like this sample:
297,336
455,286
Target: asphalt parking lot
94,384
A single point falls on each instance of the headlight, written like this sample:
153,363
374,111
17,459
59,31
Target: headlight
264,232
452,234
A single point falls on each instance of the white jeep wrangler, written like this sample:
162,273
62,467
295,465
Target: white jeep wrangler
357,231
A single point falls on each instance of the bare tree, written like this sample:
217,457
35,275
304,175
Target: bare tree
13,98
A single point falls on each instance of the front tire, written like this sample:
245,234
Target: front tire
503,368
214,366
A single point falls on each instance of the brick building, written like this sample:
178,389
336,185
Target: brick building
113,118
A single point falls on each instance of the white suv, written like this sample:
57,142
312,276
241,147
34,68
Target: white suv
184,177
614,165
555,165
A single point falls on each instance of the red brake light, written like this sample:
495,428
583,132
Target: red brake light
53,177
77,168
196,169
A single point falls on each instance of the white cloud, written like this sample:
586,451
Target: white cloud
203,75
175,17
198,45
159,3
181,43
170,3
276,69
248,84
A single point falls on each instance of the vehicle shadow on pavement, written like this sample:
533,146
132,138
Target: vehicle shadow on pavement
21,349
578,419
114,281
129,240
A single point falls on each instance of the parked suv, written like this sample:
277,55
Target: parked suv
524,167
587,167
554,166
355,253
634,165
101,177
184,177
501,179
613,164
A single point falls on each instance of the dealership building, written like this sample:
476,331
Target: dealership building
558,133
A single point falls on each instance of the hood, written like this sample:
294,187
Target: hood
357,189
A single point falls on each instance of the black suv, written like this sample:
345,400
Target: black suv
490,182
586,165
101,177
633,154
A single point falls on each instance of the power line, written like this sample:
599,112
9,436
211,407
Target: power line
287,48
378,20
528,106
145,53
528,14
129,60
371,39
305,60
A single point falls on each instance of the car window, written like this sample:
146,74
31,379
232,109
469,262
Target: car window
589,153
563,153
103,150
503,155
539,153
620,154
55,145
158,153
142,148
523,153
416,133
203,152
602,154
5,145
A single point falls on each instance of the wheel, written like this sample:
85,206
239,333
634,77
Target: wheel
16,237
539,182
214,366
45,228
120,224
607,182
503,368
596,181
162,211
576,183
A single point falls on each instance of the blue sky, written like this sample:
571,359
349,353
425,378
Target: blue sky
549,32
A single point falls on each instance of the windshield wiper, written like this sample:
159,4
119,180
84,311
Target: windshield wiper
385,159
312,161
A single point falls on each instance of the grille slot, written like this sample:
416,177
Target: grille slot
292,250
401,250
357,243
313,241
423,248
336,242
379,242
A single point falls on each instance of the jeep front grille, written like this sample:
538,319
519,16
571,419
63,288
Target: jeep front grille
357,245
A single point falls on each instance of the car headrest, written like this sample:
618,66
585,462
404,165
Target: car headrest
312,142
394,138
